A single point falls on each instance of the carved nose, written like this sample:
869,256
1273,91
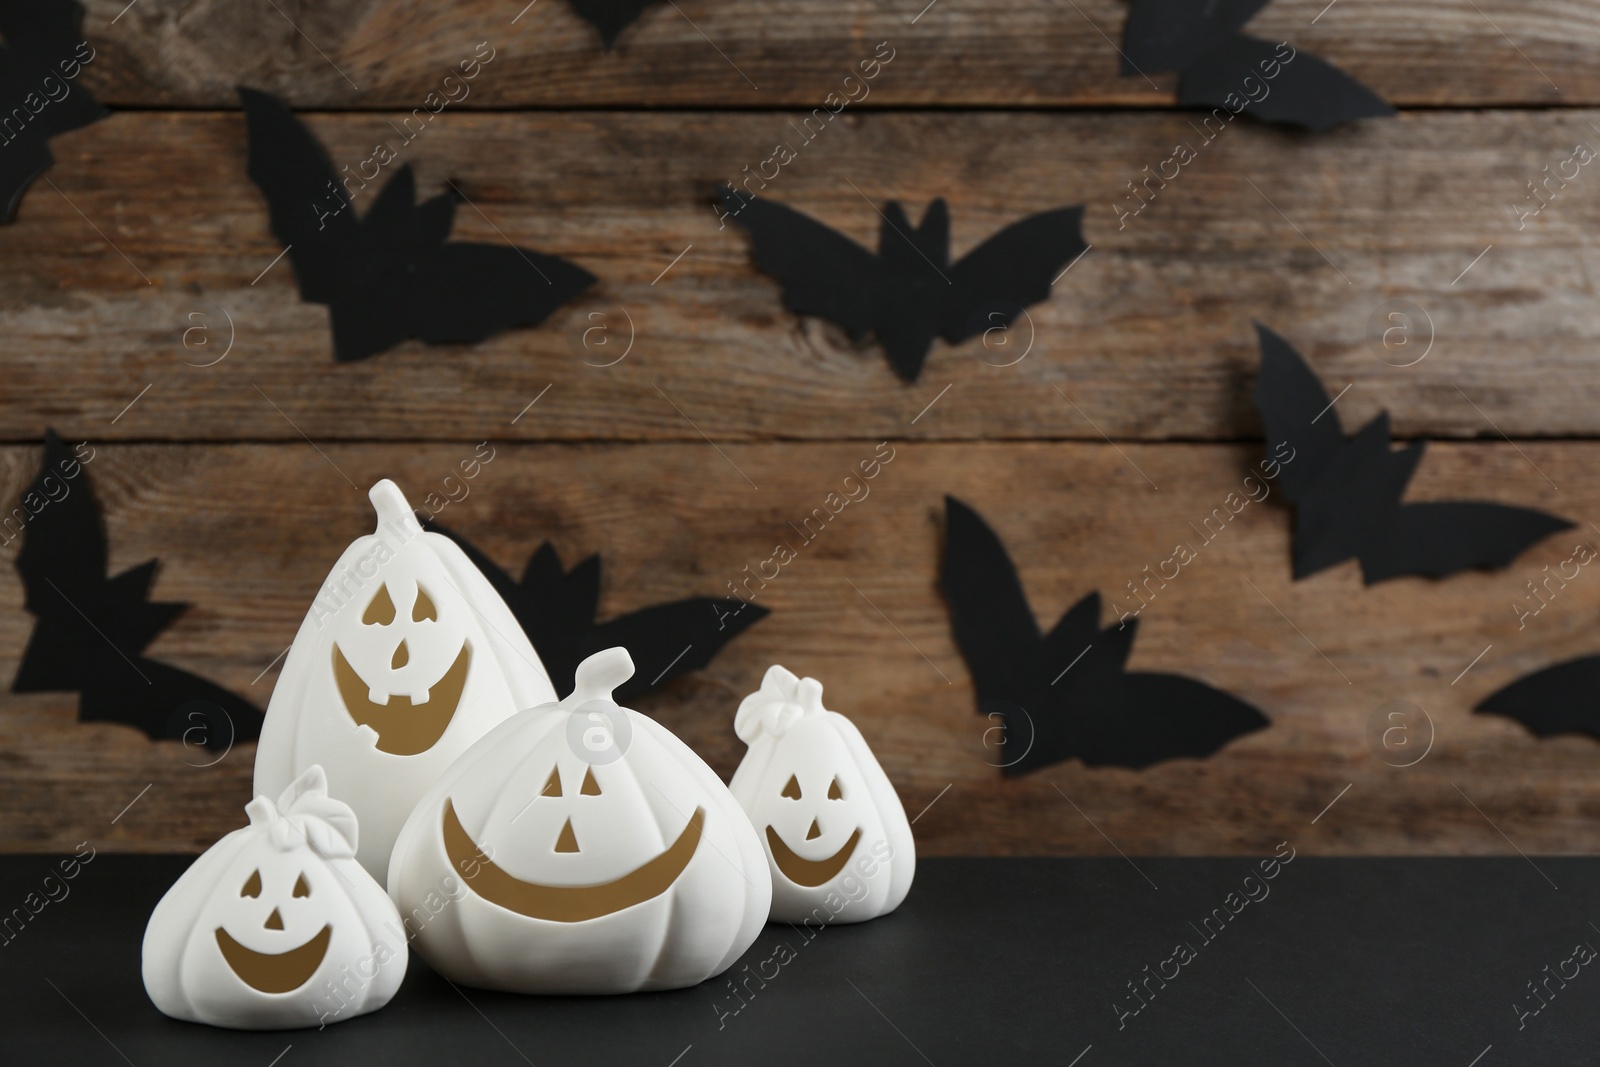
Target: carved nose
401,656
568,841
814,832
274,921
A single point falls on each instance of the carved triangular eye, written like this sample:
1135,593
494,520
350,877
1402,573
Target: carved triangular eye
252,886
423,608
300,887
792,790
567,841
381,608
552,788
591,788
833,791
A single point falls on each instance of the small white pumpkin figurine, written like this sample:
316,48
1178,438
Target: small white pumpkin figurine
836,835
593,852
276,925
406,658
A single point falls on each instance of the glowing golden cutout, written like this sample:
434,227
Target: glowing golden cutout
591,788
401,657
271,973
381,609
423,608
274,921
571,904
806,872
833,791
568,841
552,788
300,887
792,790
252,886
403,728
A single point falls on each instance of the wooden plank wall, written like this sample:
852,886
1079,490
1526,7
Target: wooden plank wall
1127,416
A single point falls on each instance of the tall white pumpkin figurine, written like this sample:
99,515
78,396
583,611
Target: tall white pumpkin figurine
276,925
406,658
831,823
591,852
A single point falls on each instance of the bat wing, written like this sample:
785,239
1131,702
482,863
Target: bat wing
668,640
465,292
1307,92
610,17
1011,270
42,28
1136,720
1170,34
990,617
1563,699
1436,539
163,701
823,272
38,37
1295,409
27,158
63,555
304,198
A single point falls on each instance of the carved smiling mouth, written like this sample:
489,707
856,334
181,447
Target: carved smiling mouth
270,972
575,903
403,728
809,873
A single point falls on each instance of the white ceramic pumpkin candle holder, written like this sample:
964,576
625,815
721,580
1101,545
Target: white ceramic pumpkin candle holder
406,658
594,853
834,830
276,925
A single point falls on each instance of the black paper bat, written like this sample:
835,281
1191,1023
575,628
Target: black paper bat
556,609
1557,700
1067,694
610,17
394,274
1201,40
908,292
40,97
1347,493
91,631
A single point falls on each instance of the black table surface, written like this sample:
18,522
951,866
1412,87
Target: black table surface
1468,962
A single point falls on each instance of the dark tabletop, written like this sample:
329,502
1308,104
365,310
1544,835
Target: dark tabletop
1334,961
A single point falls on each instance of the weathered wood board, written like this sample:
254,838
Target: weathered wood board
1370,248
248,532
770,53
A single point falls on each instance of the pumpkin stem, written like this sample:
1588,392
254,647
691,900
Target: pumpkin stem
393,508
598,675
808,694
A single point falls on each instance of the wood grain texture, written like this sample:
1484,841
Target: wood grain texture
152,253
247,533
767,53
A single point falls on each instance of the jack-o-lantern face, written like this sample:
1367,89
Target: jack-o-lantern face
570,903
813,872
405,725
592,850
835,833
276,971
407,657
277,925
